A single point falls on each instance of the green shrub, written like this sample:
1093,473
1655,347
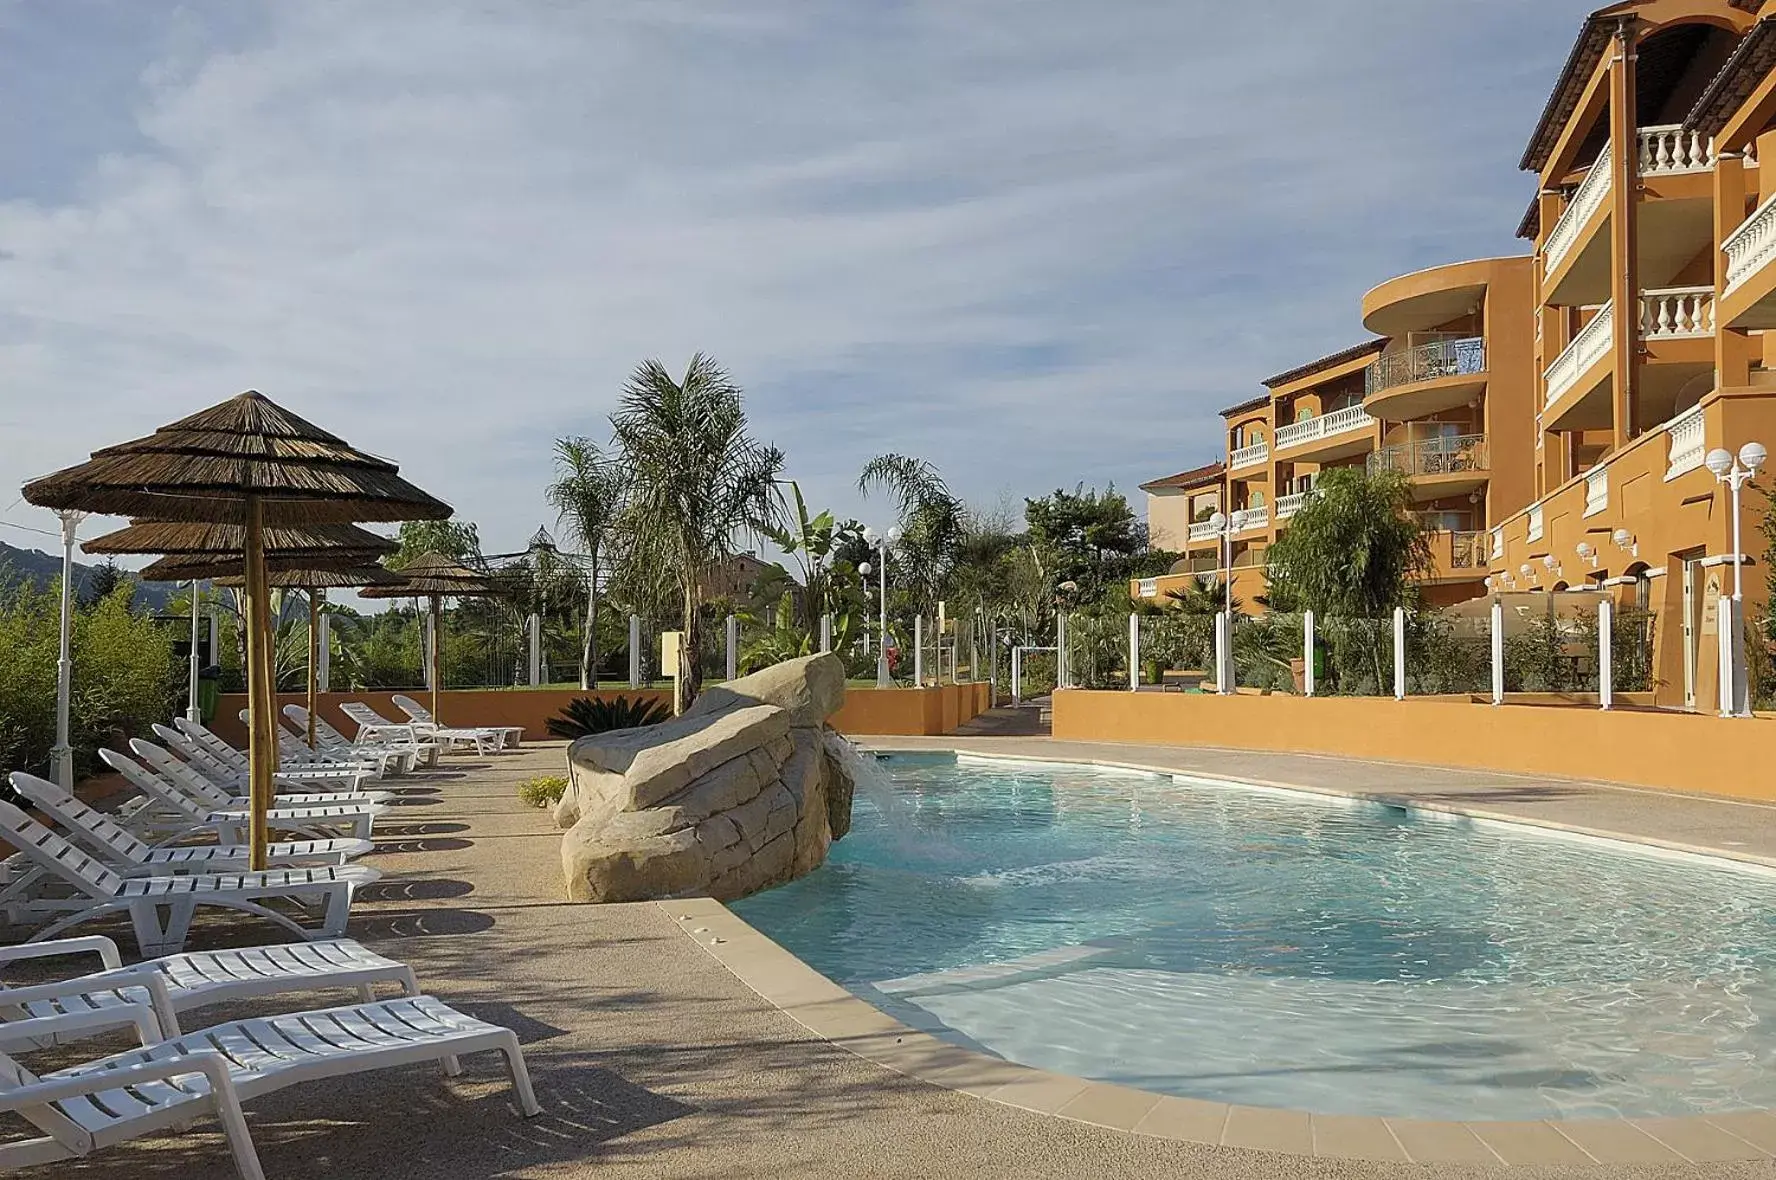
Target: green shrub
545,791
589,715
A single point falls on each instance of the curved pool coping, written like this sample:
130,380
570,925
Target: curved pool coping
853,1024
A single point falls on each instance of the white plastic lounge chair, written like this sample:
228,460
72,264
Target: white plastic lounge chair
310,820
131,856
373,727
449,739
507,736
293,744
395,757
106,892
167,1084
232,763
151,994
185,776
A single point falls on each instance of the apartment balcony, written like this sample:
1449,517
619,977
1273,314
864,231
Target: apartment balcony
1676,218
1338,435
1438,467
1749,301
1677,328
1287,506
1426,378
1251,520
1202,533
1457,556
1252,456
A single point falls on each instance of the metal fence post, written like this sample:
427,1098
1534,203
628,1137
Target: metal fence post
1606,655
1498,652
324,658
1224,653
918,651
1134,653
1017,676
825,633
1399,653
534,630
634,651
1307,651
733,663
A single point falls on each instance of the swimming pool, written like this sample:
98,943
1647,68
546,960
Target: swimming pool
1286,949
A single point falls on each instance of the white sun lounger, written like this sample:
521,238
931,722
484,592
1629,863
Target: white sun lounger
131,856
104,892
372,724
503,735
206,790
398,756
115,996
228,766
167,1084
313,821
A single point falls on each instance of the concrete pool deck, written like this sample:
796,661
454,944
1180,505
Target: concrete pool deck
660,1052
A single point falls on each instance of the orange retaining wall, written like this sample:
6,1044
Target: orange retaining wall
1673,751
928,711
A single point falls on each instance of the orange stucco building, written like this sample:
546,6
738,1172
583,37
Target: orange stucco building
1554,441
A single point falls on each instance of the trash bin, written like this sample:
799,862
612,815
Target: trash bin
209,691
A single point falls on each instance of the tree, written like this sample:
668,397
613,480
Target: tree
696,478
458,540
1093,536
1353,551
587,495
932,522
830,584
102,582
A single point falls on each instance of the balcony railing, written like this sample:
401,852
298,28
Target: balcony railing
1203,530
1677,313
1592,343
1426,362
1148,588
1289,505
1250,456
1596,490
1593,191
1752,245
1324,426
1435,456
1247,519
1687,446
1467,551
1668,150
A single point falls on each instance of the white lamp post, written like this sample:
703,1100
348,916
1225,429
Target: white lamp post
61,755
1066,590
192,711
1223,526
1734,697
882,543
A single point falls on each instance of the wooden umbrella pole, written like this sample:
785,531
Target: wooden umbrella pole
260,751
437,656
314,660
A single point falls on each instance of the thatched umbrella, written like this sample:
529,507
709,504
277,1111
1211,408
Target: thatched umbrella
434,576
250,463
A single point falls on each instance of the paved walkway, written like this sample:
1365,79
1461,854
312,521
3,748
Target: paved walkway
652,1060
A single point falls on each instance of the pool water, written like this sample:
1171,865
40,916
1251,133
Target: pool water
1286,949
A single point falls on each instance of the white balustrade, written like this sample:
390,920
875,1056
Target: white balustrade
1149,588
1592,343
1687,446
1596,490
1591,194
1202,530
1669,150
1289,505
1247,519
1677,313
1323,426
1750,247
1535,522
1250,456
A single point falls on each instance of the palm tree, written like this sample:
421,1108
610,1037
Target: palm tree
587,495
696,477
933,521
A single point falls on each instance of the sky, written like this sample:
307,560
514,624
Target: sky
1036,243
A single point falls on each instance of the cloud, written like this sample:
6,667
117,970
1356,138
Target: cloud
1037,243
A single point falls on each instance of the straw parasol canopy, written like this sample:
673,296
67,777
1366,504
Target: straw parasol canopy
215,464
434,576
251,463
205,541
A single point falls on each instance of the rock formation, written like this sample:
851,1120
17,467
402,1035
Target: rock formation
740,793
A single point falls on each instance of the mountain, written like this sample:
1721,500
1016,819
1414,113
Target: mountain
44,568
